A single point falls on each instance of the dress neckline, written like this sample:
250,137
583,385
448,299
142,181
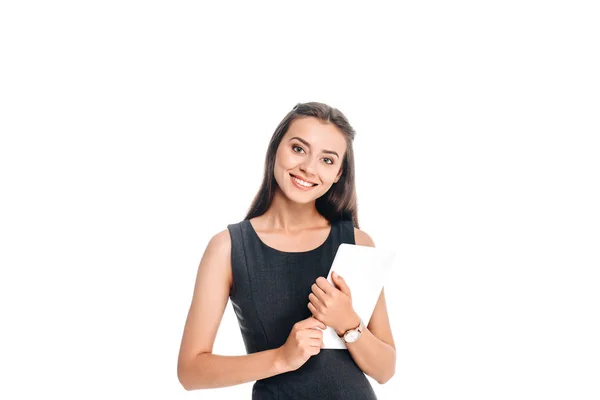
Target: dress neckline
329,235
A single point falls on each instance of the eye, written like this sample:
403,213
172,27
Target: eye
294,147
330,161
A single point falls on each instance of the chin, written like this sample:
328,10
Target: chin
299,198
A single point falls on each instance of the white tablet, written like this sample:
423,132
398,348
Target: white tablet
364,268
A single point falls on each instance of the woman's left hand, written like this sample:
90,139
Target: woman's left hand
332,305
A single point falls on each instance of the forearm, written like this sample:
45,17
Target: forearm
374,357
209,370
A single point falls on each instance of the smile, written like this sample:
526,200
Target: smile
300,184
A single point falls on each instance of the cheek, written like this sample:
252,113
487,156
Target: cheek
332,174
279,158
286,160
282,166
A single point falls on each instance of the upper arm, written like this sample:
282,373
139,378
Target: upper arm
209,299
379,325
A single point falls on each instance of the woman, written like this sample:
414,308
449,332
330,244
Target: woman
273,264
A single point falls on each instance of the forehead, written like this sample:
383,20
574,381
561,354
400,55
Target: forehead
321,135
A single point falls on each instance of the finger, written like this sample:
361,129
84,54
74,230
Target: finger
312,333
324,284
318,292
316,343
311,322
318,303
316,313
340,283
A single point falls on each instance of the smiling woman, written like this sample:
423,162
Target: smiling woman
272,266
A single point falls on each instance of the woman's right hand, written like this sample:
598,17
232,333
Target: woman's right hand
305,340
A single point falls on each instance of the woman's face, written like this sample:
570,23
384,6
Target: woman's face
313,152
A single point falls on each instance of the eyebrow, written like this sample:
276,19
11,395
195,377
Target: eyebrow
308,145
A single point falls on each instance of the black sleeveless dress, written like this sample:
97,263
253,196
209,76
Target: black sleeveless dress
269,295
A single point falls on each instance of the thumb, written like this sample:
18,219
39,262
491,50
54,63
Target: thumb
312,322
341,283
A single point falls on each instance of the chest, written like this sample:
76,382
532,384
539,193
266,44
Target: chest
280,287
302,242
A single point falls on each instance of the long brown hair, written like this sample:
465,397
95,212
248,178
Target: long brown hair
339,203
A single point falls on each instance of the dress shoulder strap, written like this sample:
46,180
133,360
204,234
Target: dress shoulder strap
238,255
347,232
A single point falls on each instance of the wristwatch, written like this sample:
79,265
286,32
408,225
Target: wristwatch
352,335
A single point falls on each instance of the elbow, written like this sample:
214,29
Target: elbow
187,383
384,379
189,375
181,376
184,377
391,371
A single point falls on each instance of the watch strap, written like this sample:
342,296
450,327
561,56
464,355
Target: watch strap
359,329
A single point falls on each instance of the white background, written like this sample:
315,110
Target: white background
133,131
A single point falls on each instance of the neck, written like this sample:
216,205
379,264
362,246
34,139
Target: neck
286,215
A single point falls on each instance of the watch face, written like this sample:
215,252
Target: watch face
351,336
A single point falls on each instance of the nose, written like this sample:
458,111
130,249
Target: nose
308,166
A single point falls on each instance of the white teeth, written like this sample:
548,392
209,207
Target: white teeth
301,182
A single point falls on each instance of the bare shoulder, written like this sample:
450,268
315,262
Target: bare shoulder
217,256
220,244
362,238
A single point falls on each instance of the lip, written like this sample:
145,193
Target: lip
305,180
298,185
